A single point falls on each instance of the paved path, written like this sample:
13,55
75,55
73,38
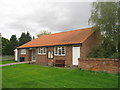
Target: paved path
12,64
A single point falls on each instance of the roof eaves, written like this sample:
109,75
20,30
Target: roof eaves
77,43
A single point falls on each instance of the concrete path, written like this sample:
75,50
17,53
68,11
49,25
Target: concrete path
12,64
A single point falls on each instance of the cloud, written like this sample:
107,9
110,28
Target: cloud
34,16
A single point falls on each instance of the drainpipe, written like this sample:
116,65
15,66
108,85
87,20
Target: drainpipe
30,52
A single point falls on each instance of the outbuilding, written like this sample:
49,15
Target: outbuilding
59,48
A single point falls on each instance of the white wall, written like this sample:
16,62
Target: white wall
16,54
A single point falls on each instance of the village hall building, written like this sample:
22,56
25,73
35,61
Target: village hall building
59,48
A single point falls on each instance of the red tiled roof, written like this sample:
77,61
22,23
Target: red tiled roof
62,38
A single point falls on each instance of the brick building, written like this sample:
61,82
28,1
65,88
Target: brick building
64,47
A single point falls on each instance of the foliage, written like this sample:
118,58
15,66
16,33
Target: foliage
43,33
9,50
105,19
28,36
105,50
8,46
14,41
115,55
102,51
5,42
24,38
34,76
33,38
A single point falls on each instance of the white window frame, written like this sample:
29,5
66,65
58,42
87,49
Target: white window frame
23,51
41,48
58,51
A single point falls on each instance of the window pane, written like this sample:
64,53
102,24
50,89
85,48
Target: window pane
63,52
59,51
56,50
63,48
42,50
39,50
23,51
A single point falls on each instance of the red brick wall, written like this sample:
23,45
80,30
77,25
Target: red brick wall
68,56
26,56
43,60
40,59
88,44
100,64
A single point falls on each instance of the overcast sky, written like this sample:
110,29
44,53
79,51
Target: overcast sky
17,16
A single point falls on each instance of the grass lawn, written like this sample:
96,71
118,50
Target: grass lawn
34,76
7,61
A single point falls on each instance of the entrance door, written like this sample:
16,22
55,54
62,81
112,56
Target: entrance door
33,55
75,55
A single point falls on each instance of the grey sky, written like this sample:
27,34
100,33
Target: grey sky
17,16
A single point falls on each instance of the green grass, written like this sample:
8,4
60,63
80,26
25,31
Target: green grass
6,59
7,62
34,76
0,78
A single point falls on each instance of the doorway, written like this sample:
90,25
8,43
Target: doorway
33,55
75,55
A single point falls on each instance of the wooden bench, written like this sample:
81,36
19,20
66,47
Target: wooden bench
59,63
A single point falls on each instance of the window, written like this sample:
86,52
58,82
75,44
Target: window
23,51
60,51
41,50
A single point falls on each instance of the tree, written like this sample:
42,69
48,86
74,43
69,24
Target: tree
105,50
24,38
9,47
28,37
105,18
33,38
12,45
0,45
5,42
43,33
14,41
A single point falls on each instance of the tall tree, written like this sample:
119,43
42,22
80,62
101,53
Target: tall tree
29,38
0,46
14,41
105,18
5,42
44,32
9,49
24,38
33,38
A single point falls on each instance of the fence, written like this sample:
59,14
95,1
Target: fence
7,57
100,64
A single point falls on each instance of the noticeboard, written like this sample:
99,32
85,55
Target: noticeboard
50,54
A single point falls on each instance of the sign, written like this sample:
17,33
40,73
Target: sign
50,54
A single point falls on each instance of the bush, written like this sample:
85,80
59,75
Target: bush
97,52
103,52
115,55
